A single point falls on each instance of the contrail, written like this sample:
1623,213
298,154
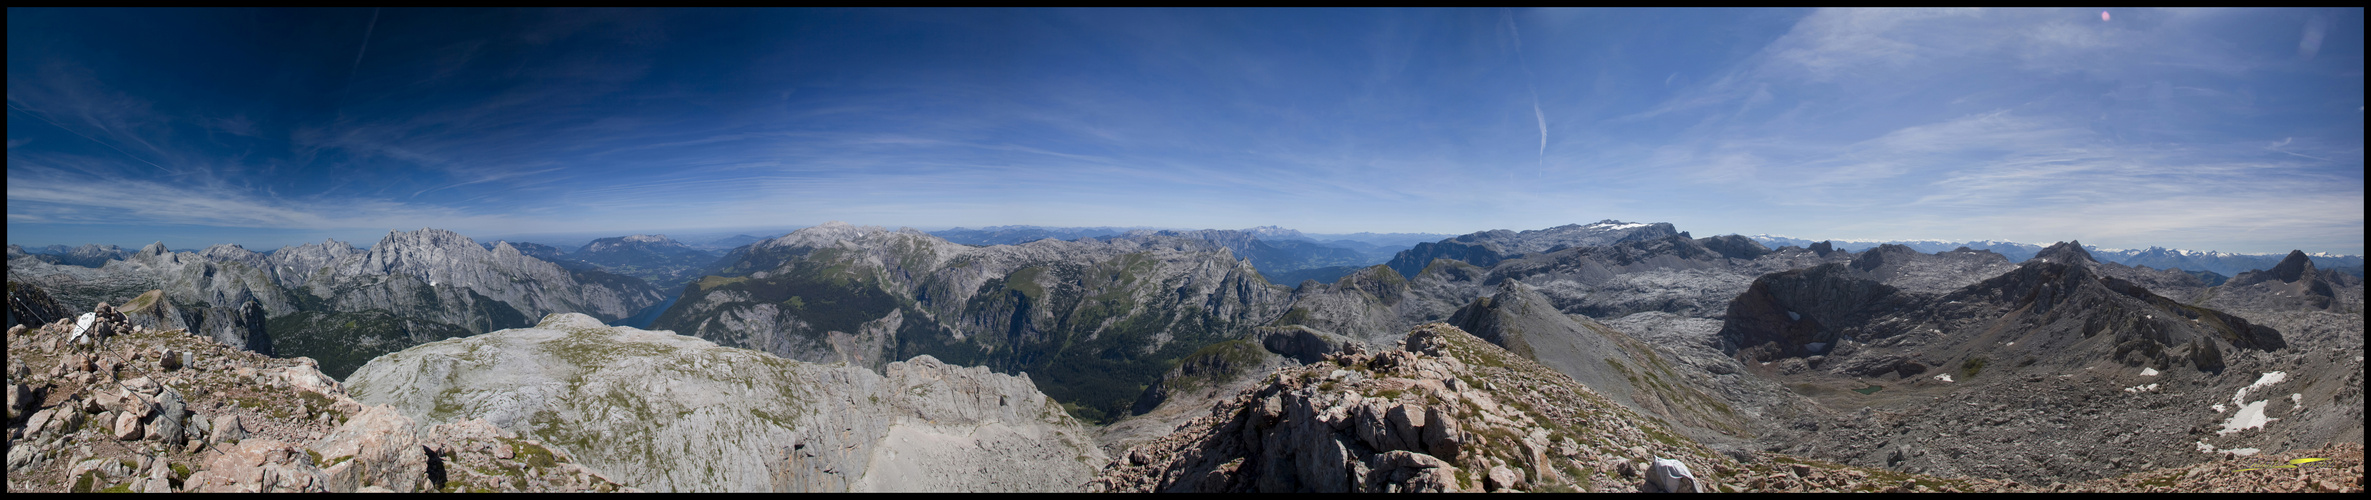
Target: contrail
374,26
26,112
1543,118
1509,16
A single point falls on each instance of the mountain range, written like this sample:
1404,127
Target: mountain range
1193,367
336,303
2222,265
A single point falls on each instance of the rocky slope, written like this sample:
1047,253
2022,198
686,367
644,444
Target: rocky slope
1487,248
1610,362
1094,321
147,410
217,298
665,412
437,275
1449,413
1452,412
29,305
2053,353
339,304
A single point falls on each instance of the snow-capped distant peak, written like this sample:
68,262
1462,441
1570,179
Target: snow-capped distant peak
1615,225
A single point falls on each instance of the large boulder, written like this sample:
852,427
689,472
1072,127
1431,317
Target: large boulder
376,448
261,466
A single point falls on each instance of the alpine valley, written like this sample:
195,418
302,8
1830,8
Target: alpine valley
852,358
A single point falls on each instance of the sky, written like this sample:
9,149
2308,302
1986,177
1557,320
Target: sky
2202,129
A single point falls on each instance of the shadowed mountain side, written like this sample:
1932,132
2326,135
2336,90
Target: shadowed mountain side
1376,303
28,304
1614,364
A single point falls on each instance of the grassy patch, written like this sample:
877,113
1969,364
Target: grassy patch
708,282
1971,367
83,483
1296,316
1871,389
533,455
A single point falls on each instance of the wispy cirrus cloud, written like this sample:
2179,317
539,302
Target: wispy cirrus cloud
1874,124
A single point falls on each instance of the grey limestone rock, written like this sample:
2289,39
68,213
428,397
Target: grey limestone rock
665,412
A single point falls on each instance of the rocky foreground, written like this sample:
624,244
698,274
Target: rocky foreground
146,410
1449,412
667,412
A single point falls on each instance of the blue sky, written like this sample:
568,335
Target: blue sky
2206,129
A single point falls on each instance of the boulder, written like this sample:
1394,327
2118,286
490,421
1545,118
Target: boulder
18,397
384,451
1501,478
1402,471
262,466
170,411
40,420
226,428
143,385
1671,476
127,426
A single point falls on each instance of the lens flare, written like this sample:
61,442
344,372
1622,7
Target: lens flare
2103,16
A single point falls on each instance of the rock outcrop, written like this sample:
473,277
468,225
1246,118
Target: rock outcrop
665,412
149,410
1450,412
29,305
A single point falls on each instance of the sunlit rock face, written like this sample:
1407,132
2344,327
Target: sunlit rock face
666,412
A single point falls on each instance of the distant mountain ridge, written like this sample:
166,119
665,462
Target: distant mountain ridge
1015,235
2225,264
337,303
1487,248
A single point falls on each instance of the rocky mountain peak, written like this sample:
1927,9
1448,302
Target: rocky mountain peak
1878,257
154,249
2295,267
232,252
2066,252
1735,246
824,234
649,238
425,238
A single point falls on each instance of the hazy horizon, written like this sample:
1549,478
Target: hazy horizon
2222,130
